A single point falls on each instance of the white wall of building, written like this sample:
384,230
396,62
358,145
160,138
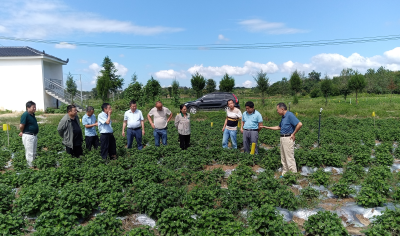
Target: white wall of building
21,81
52,71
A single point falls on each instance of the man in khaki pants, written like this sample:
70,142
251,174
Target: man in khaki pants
289,126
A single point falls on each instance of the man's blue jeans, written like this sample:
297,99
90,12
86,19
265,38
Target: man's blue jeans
135,134
225,138
160,133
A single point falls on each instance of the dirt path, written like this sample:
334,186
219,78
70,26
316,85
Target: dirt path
14,114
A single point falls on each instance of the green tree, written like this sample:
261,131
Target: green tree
164,92
72,88
357,83
211,86
198,83
108,81
175,93
392,86
94,93
262,81
135,92
170,91
295,82
227,83
152,89
314,76
326,88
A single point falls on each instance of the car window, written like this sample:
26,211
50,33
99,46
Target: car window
228,96
208,97
220,96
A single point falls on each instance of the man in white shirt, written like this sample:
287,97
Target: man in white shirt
107,140
133,119
159,125
233,115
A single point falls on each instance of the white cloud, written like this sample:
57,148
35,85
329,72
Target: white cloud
95,69
122,70
121,55
40,19
333,63
65,45
170,74
257,25
248,68
247,84
393,55
83,61
221,37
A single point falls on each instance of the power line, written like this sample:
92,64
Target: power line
216,46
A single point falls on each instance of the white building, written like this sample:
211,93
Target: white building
27,74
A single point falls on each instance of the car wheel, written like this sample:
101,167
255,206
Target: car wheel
193,110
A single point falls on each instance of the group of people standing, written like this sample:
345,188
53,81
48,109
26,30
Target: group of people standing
69,129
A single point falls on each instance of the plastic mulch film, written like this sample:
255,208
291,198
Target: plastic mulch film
143,219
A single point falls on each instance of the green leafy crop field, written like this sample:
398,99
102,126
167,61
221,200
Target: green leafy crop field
207,190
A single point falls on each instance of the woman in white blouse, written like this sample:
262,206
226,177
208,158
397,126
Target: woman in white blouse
182,123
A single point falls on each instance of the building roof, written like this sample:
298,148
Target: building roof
26,52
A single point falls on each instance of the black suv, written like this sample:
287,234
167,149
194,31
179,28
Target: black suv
215,100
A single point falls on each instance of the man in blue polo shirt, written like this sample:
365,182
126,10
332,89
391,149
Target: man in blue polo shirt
89,121
108,145
289,126
133,118
251,125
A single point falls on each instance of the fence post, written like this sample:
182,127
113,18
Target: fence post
319,126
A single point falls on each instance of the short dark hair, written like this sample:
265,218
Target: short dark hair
282,105
229,101
104,106
29,104
249,104
182,106
69,107
132,102
158,102
89,108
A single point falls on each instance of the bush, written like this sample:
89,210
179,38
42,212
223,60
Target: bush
295,99
353,173
324,223
289,178
267,221
385,224
141,231
316,92
104,224
153,199
363,159
56,222
320,177
12,224
50,110
175,221
36,198
5,156
6,198
342,189
309,193
369,197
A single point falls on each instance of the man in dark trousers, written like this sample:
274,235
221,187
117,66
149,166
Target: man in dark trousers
90,123
107,141
71,132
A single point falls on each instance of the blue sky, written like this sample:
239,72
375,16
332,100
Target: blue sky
206,22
